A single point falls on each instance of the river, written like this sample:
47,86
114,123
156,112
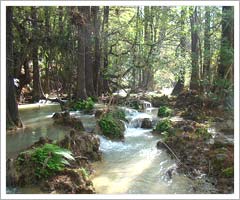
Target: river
134,166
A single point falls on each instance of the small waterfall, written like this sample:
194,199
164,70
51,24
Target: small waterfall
145,104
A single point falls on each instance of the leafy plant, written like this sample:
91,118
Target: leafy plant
164,111
164,125
48,159
84,104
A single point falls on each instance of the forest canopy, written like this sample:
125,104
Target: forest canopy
87,51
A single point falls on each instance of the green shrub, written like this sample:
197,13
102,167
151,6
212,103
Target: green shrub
47,159
228,172
164,125
164,111
86,105
111,127
203,133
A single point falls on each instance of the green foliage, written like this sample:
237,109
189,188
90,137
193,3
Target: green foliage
47,159
86,105
228,172
164,111
163,126
203,133
111,127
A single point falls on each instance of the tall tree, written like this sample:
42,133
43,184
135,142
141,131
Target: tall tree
97,53
194,82
105,48
206,62
181,77
88,52
81,80
12,118
36,76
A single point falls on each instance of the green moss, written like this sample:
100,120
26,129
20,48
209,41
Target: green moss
164,111
118,114
164,125
228,172
203,133
111,127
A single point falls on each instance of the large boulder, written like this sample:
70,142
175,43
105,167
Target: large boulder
70,181
112,124
83,145
147,123
64,118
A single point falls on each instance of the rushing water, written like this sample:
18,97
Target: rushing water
136,166
133,166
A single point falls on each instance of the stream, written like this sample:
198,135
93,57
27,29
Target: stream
134,166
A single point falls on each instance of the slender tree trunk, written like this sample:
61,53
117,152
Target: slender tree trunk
12,114
146,40
81,88
36,78
97,54
181,77
105,50
47,42
206,53
194,82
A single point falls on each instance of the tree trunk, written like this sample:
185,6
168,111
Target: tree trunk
97,54
105,50
81,88
12,114
88,53
194,83
47,43
181,77
206,53
36,78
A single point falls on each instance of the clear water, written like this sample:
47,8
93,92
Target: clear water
134,166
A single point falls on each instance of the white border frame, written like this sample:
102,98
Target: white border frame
120,3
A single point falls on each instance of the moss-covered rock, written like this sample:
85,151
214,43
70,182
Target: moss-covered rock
64,118
53,165
70,181
111,126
